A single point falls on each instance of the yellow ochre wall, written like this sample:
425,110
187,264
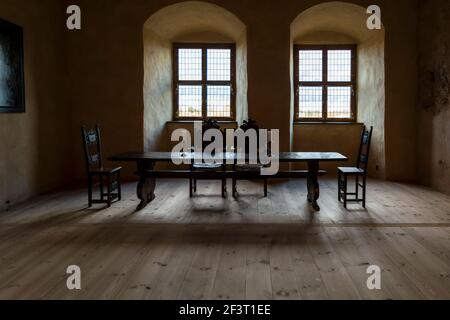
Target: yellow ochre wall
96,75
109,49
34,145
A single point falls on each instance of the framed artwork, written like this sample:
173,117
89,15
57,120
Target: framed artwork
12,87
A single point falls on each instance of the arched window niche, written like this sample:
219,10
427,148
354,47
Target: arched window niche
185,22
344,23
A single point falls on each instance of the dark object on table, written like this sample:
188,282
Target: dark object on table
94,167
359,171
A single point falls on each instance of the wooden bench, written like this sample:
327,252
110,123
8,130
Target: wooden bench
228,174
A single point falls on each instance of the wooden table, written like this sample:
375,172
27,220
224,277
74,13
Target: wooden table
146,161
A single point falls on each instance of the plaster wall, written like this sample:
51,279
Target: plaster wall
104,80
343,138
157,91
434,108
33,145
401,57
115,61
96,75
371,101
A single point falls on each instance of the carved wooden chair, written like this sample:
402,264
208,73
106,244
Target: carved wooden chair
359,172
248,125
208,124
94,168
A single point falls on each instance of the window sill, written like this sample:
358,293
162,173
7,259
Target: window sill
328,123
192,121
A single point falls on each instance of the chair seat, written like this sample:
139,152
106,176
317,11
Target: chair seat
207,166
106,171
249,167
351,170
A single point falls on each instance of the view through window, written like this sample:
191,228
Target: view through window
204,81
325,78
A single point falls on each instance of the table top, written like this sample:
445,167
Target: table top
169,156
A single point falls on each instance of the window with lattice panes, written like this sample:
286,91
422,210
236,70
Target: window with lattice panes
325,83
204,81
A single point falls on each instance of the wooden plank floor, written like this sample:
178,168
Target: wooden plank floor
213,248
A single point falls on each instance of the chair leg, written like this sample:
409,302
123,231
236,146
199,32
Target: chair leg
357,187
265,188
345,191
364,192
190,188
108,181
234,188
101,188
89,191
224,188
195,185
119,187
339,186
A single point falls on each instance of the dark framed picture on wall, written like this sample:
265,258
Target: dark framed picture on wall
12,86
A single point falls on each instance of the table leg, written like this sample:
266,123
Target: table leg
146,186
313,184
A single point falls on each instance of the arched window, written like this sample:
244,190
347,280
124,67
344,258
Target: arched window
338,75
195,67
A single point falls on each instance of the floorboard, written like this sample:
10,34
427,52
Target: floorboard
207,247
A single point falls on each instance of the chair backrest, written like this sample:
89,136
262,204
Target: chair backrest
92,148
364,149
210,124
249,125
